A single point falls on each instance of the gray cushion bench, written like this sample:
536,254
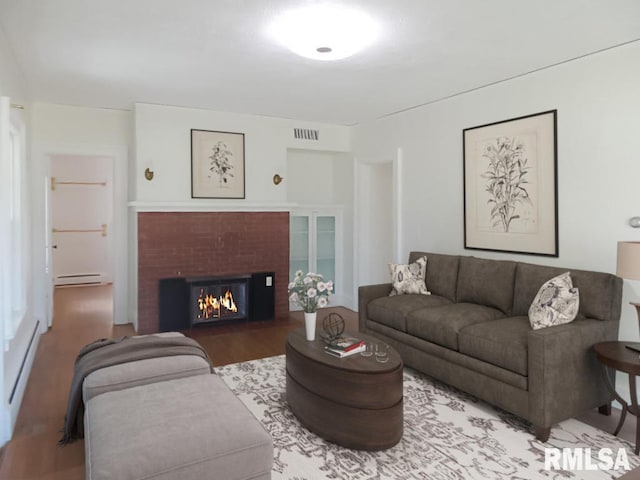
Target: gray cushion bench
188,428
170,418
142,372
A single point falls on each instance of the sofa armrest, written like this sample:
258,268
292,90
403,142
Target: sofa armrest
564,375
365,295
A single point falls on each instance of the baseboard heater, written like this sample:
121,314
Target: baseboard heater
79,275
24,360
79,279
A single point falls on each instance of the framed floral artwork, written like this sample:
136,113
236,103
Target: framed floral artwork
510,185
217,164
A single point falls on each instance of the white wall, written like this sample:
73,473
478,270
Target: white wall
13,85
65,124
598,103
163,144
343,194
311,177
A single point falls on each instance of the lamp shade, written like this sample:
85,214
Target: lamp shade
628,260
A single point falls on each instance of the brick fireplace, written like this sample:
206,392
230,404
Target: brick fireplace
193,244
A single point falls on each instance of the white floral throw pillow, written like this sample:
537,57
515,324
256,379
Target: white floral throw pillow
409,278
557,302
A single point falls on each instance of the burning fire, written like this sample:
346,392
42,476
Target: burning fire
213,307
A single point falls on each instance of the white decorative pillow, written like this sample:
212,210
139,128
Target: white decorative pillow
409,278
557,302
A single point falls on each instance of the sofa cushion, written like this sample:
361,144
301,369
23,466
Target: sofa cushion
600,293
556,303
441,324
501,342
487,282
392,311
409,278
442,273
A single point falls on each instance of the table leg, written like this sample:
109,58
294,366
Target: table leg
623,402
634,408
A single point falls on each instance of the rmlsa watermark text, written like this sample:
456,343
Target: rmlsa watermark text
586,459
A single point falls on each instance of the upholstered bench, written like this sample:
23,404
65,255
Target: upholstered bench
186,428
142,372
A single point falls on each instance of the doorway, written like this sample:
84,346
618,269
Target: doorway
379,218
43,154
375,222
81,219
85,168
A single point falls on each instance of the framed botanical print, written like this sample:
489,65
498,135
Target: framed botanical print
217,164
511,186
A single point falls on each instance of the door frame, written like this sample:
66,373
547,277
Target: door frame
43,279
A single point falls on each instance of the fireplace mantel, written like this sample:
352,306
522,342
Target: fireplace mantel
199,206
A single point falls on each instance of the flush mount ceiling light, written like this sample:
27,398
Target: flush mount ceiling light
324,32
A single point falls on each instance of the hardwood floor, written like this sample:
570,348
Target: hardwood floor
83,314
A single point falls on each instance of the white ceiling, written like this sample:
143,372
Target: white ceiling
215,53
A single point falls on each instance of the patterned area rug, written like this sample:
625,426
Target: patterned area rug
447,435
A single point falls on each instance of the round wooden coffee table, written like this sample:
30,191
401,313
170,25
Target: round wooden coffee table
355,401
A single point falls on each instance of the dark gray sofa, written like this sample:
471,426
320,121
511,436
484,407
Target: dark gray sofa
473,333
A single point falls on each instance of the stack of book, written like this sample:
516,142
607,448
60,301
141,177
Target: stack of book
343,347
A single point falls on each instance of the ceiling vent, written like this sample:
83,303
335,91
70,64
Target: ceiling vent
305,134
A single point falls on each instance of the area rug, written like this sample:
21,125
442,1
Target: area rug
447,435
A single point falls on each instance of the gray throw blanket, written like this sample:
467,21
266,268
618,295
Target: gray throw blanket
107,352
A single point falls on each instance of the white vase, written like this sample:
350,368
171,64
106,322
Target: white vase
310,325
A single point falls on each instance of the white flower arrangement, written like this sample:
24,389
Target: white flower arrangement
310,292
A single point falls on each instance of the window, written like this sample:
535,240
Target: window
13,243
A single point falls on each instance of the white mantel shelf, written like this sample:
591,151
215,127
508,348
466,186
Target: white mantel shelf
224,207
209,207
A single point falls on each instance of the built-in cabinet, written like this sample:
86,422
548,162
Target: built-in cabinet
316,243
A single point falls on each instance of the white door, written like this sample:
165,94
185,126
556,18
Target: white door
81,219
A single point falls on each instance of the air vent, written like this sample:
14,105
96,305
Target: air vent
305,134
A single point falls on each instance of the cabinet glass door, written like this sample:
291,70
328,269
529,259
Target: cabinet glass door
299,245
326,247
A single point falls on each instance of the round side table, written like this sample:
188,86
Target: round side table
618,356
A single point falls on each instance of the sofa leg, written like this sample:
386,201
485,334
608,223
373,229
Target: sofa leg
542,433
605,409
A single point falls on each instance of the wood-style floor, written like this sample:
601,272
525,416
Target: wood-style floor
83,314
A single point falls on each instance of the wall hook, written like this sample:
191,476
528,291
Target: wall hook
277,179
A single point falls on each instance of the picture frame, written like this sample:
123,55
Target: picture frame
510,185
217,164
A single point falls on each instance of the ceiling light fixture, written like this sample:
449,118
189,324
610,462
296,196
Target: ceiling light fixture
324,32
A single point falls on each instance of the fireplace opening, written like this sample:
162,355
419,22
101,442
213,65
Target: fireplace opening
214,299
194,301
